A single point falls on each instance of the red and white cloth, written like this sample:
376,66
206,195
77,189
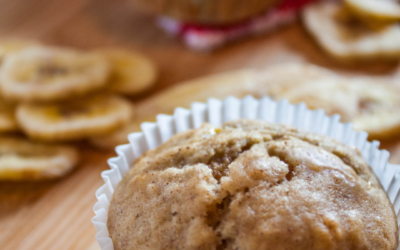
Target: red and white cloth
203,37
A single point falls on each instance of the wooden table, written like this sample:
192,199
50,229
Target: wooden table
57,214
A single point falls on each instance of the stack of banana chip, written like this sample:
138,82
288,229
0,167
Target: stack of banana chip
356,30
50,96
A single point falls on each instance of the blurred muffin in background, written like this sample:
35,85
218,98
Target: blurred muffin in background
206,11
206,25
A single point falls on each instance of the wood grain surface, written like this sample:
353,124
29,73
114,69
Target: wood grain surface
57,214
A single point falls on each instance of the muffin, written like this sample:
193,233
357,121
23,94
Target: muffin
207,12
207,25
251,185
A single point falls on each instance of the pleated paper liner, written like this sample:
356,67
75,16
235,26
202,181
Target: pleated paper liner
217,112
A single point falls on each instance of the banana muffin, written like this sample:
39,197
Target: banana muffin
251,185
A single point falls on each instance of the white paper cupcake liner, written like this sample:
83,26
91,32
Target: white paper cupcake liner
217,112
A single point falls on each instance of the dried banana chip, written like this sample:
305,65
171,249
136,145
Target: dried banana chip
8,46
372,107
48,74
378,109
346,37
7,118
74,120
21,159
131,72
385,10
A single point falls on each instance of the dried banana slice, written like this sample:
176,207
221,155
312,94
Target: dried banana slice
347,38
385,10
7,118
74,120
378,109
131,72
372,107
21,159
48,74
8,46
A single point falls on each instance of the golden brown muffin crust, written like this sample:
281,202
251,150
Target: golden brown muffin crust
251,185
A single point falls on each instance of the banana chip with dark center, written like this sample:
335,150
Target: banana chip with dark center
48,74
348,38
74,120
21,159
372,107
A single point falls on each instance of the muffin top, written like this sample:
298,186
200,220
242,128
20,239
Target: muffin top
251,185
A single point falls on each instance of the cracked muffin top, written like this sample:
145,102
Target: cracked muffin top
251,185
